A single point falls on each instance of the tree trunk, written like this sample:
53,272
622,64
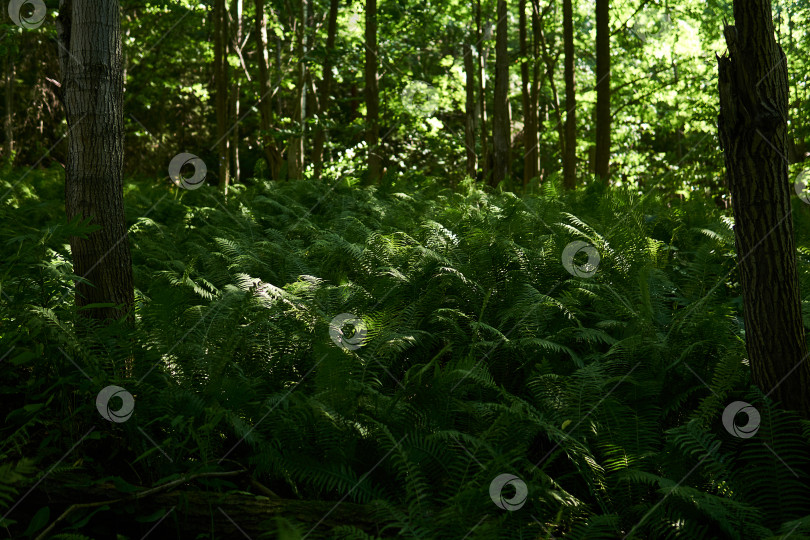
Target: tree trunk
89,33
271,152
221,85
483,33
570,146
325,89
237,47
372,96
501,134
9,103
529,103
602,159
533,136
296,146
469,111
753,88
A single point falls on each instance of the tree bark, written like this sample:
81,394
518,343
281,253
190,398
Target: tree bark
325,88
501,134
296,146
90,58
235,91
570,146
483,33
221,90
271,152
469,111
602,159
753,88
529,102
372,96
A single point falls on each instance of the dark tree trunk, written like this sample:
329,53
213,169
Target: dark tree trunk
235,91
271,151
753,87
221,90
483,34
570,146
372,96
501,130
529,103
602,160
9,120
90,57
469,112
325,89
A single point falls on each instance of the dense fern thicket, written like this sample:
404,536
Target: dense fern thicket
478,355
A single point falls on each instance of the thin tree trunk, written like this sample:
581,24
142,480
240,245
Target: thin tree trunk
296,146
271,151
483,33
529,119
469,111
533,137
753,88
237,46
570,146
372,96
501,134
550,64
602,161
325,89
221,84
9,103
89,32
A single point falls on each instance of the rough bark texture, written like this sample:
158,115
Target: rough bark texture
236,44
93,93
469,112
271,152
602,160
93,90
529,110
221,90
753,89
325,88
501,132
570,146
372,96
